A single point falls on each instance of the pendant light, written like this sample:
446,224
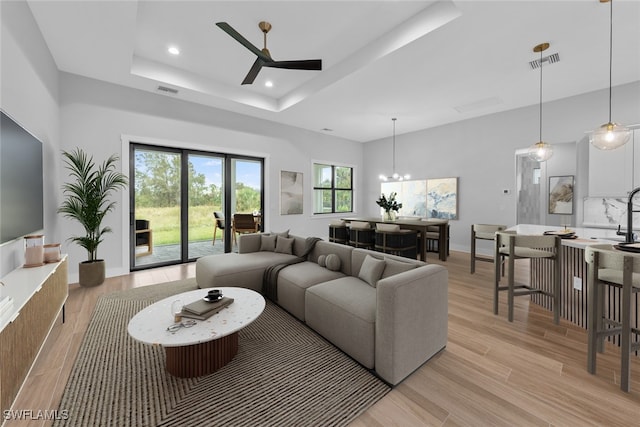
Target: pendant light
610,135
395,176
541,151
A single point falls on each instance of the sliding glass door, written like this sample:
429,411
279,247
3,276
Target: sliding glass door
205,195
155,204
183,201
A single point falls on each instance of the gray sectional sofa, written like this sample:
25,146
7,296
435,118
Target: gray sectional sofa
388,313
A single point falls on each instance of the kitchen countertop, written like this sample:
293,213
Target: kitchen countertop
586,236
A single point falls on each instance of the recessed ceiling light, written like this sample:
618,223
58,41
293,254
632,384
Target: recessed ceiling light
268,83
174,50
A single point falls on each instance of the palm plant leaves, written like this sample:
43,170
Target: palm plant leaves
87,196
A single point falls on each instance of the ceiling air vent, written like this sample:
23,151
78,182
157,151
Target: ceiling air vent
170,90
551,59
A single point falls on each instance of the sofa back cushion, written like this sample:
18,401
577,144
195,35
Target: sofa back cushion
393,267
284,245
268,242
299,244
371,270
358,255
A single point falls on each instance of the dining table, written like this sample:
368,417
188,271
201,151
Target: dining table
421,225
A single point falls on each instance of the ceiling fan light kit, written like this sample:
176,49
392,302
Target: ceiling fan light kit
610,135
264,58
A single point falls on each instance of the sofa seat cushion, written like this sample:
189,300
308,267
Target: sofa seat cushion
232,269
294,280
344,312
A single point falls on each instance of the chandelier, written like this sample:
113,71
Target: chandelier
395,176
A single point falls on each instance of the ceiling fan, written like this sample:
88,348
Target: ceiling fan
264,57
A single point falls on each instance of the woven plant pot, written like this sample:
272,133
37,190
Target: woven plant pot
91,273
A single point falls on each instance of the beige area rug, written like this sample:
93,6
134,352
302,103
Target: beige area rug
283,375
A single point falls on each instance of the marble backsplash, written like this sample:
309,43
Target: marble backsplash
609,212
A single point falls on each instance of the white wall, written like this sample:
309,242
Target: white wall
481,151
29,95
563,163
97,116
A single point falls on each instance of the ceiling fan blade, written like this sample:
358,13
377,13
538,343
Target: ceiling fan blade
307,64
253,72
244,42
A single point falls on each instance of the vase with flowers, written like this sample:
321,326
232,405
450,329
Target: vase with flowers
390,206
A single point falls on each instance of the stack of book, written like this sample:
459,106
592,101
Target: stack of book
6,304
202,309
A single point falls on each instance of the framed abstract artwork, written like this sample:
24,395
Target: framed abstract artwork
442,198
561,195
412,195
291,191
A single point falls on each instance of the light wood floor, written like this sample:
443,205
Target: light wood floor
492,372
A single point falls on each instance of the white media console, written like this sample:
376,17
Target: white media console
38,295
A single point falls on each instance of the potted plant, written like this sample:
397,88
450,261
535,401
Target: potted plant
390,206
87,201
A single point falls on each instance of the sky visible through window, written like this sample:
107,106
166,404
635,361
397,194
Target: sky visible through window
247,172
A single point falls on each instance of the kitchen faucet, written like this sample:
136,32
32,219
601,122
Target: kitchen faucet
629,237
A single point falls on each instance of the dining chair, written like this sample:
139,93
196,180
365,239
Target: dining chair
338,232
244,224
219,223
361,235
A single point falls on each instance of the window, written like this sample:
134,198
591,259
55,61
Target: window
332,189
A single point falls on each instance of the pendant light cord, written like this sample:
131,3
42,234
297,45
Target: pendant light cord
541,95
610,51
394,146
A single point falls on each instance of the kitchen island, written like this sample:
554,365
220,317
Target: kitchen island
573,280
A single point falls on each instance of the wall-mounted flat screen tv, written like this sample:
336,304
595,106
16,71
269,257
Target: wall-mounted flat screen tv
21,181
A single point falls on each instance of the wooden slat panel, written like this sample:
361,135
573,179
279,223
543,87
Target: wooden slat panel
21,340
573,301
201,359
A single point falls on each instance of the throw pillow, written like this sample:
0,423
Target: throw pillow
332,262
281,233
395,267
284,245
371,270
268,243
322,260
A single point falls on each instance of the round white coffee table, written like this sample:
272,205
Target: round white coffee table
206,346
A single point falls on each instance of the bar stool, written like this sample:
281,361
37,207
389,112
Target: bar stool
433,238
516,246
482,232
620,270
338,232
361,235
390,239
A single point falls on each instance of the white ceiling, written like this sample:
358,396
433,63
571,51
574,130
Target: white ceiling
426,63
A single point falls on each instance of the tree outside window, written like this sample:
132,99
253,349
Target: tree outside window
332,189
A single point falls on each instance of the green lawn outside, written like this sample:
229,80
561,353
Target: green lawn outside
165,223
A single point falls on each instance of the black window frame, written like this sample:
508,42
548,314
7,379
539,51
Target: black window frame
333,188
